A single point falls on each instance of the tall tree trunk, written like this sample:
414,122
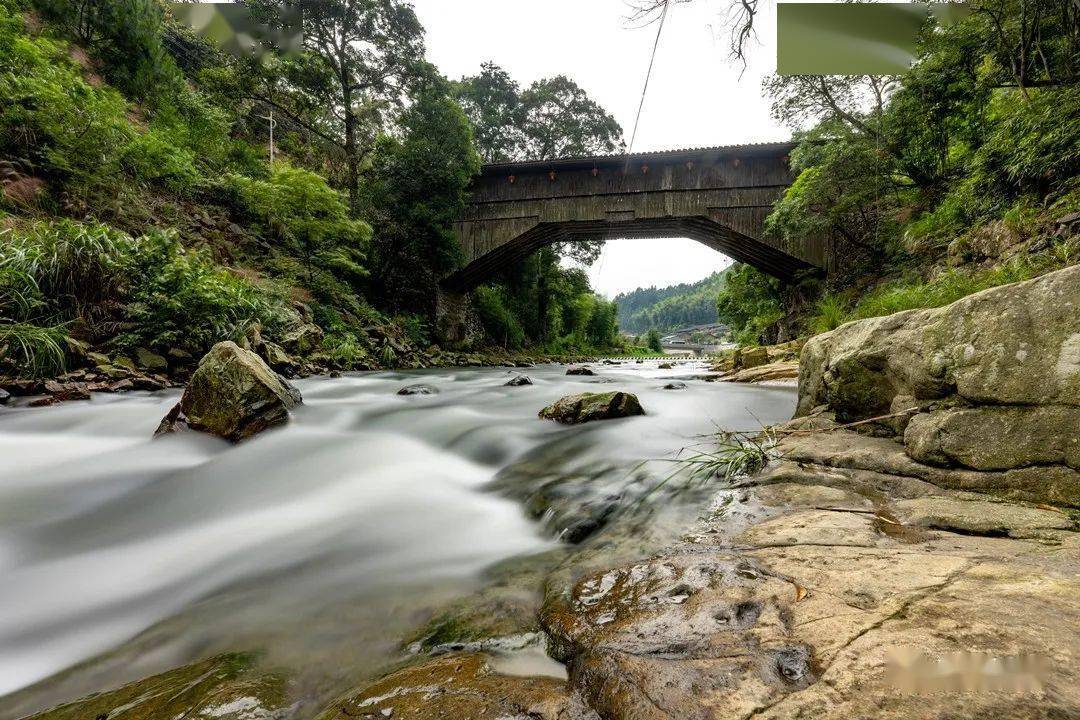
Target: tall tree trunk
352,158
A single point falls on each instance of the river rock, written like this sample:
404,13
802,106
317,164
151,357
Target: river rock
586,407
4,396
519,380
417,390
232,394
751,357
665,366
784,370
579,370
303,339
675,385
226,687
96,358
460,686
64,391
276,357
996,438
150,360
1017,344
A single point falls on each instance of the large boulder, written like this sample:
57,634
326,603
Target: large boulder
996,438
579,370
987,387
232,394
586,407
1016,344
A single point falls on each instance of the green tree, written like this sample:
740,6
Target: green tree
492,101
416,191
652,340
751,305
126,35
362,60
552,118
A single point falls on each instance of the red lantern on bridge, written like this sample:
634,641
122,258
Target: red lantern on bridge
551,176
644,169
595,171
512,179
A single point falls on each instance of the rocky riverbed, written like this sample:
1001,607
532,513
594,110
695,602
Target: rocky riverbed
909,550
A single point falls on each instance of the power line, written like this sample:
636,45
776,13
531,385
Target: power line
648,74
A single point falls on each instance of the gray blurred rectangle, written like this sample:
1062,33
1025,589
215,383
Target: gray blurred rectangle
232,27
853,38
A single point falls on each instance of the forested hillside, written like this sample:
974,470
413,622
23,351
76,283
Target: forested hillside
670,307
140,214
957,176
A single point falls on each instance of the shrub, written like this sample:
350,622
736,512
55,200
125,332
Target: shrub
309,219
185,300
499,323
35,349
125,35
62,269
50,116
151,157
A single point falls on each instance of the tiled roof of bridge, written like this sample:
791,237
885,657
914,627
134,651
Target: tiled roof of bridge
746,149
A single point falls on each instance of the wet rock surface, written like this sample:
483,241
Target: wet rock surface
221,688
519,381
579,370
461,686
587,407
417,390
233,395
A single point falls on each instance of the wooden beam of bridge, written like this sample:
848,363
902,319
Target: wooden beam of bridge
718,196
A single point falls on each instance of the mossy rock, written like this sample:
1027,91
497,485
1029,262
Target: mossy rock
586,407
223,688
234,395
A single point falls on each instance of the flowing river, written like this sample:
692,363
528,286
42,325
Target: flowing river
321,544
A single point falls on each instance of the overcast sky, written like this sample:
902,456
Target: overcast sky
696,97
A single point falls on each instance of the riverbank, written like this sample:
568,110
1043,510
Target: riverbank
857,575
910,548
323,550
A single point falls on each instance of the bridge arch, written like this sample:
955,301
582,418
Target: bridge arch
719,196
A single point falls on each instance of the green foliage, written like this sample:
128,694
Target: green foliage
830,313
50,116
183,299
750,304
652,341
672,307
843,187
553,117
125,36
945,288
416,191
303,216
37,350
55,272
500,325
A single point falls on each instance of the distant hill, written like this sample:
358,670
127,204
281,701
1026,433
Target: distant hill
671,307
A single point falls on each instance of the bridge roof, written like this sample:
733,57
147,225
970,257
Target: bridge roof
682,155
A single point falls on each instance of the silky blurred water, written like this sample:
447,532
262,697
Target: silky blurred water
321,542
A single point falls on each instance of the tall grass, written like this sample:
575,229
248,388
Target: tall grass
39,350
948,287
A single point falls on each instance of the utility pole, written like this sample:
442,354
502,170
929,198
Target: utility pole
270,119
